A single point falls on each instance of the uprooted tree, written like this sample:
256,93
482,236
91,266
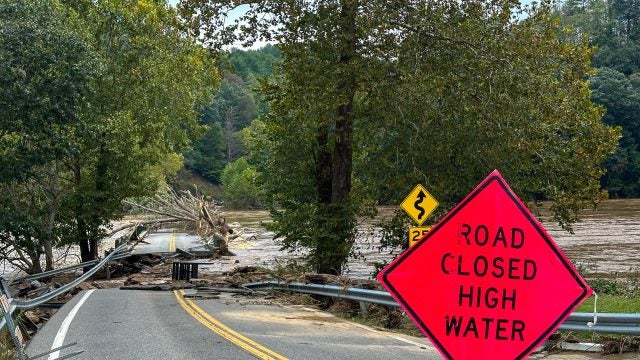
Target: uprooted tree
199,215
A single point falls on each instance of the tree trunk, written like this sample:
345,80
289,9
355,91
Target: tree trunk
81,225
92,228
36,268
51,223
93,248
323,167
343,146
48,254
334,248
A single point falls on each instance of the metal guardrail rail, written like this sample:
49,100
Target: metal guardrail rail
67,268
607,323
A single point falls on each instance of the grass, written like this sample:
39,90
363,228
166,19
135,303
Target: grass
614,296
612,304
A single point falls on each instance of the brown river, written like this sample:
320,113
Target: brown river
605,243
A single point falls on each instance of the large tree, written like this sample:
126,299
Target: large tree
98,99
47,69
373,96
153,83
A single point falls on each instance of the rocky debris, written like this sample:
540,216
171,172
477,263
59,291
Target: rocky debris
134,279
39,316
211,281
86,286
29,288
620,345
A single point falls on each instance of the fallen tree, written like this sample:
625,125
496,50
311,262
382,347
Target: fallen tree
202,217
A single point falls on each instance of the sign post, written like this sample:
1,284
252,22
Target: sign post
487,281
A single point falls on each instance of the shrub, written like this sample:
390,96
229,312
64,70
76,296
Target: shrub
239,185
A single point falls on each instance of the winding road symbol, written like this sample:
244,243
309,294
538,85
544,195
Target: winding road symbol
419,204
416,204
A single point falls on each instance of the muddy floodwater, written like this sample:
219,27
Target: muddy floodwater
605,243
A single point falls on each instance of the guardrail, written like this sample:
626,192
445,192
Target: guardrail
67,268
608,323
9,305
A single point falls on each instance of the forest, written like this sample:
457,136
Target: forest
347,107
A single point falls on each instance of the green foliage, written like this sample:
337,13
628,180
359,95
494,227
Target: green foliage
614,28
239,183
47,71
614,91
110,92
608,287
46,68
208,156
231,109
233,106
253,64
144,110
7,351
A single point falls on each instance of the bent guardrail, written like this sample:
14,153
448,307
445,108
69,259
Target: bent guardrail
608,323
10,305
67,268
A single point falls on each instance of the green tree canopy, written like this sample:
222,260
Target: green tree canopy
239,181
154,82
231,109
375,96
616,93
98,98
613,27
46,68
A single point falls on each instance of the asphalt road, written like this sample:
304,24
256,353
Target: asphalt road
143,325
166,241
125,324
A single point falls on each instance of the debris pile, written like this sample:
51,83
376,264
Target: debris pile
202,216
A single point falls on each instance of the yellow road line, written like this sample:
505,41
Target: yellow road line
172,241
207,320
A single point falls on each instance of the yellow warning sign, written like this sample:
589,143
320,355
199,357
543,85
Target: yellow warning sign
419,204
417,233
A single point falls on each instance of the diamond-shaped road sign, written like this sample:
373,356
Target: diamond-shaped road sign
419,204
487,282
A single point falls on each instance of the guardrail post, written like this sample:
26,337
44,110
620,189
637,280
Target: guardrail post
107,269
363,309
6,311
194,271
